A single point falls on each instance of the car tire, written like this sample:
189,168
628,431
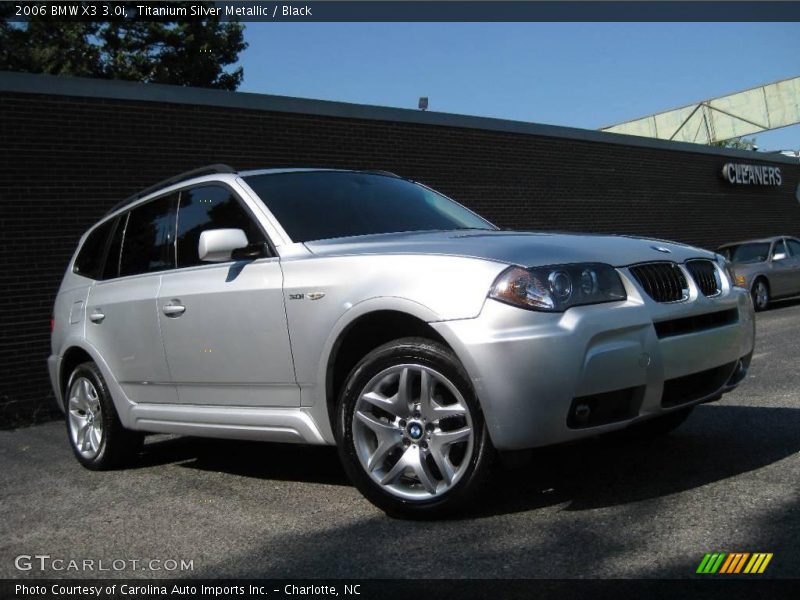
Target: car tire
410,432
760,294
659,426
95,433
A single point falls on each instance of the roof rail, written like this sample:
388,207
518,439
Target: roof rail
207,170
380,172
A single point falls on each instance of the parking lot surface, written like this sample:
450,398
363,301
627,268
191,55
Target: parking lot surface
727,480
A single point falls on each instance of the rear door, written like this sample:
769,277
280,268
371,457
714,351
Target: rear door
121,316
224,324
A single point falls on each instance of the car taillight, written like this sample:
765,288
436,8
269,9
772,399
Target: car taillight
52,324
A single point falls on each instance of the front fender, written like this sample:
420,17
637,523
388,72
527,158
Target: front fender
401,305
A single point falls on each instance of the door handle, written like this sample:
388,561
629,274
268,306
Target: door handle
173,309
96,316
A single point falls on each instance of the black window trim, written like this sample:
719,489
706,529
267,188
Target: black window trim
125,213
122,244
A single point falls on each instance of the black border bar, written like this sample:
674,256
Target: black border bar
708,586
465,11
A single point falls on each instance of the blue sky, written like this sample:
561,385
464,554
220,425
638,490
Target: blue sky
576,74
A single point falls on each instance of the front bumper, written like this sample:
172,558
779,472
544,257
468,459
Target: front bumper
545,378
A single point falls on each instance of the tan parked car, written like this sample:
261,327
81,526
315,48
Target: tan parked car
768,267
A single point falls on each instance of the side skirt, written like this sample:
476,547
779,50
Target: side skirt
293,425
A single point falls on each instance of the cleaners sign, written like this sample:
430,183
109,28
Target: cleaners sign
741,174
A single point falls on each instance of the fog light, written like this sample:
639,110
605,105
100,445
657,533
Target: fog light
582,412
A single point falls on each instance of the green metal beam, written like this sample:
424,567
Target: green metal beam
769,106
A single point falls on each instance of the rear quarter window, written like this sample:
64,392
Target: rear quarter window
89,262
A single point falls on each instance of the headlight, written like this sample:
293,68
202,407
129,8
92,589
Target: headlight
557,288
727,268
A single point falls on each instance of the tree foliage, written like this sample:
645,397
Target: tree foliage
179,52
737,144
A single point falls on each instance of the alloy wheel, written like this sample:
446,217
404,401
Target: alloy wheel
413,432
85,417
760,295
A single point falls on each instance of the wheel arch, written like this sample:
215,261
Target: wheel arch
363,334
762,277
765,278
78,351
74,356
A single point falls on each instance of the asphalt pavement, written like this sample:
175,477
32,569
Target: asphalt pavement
727,480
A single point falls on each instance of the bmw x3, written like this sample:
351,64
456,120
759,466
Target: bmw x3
367,311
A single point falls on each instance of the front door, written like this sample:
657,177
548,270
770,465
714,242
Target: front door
781,271
224,324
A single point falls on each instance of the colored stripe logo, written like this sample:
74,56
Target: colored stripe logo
734,563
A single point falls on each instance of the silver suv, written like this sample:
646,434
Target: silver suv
368,311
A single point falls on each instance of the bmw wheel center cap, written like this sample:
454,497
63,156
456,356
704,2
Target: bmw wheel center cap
415,431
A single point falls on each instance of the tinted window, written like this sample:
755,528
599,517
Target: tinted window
779,248
148,243
89,261
210,207
794,247
320,205
747,253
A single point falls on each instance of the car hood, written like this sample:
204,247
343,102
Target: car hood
514,247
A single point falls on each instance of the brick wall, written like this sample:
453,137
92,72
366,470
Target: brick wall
67,159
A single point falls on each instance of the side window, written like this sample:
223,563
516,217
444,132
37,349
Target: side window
210,207
148,241
794,247
779,248
89,261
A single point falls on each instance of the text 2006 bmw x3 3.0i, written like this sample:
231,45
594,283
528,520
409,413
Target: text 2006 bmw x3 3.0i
368,311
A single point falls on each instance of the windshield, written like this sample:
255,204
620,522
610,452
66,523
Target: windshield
746,253
318,205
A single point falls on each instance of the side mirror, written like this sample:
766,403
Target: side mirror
779,256
217,245
251,251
